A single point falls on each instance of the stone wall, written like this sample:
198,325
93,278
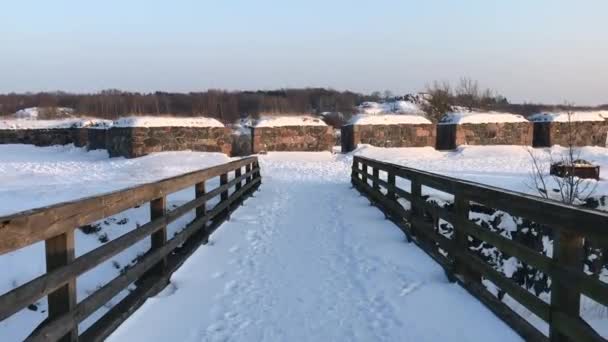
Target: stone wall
402,135
495,133
292,138
132,142
584,133
97,139
41,137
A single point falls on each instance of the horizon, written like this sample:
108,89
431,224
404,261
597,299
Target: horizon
543,52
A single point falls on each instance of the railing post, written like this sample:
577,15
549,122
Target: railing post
158,208
568,252
416,192
247,170
364,174
224,195
391,182
60,252
376,174
461,240
201,211
237,174
256,165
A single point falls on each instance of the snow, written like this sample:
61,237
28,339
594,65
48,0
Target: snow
159,121
399,107
459,118
566,117
279,121
388,119
306,258
288,268
54,124
502,166
34,112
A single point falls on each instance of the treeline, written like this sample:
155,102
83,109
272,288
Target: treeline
444,97
227,106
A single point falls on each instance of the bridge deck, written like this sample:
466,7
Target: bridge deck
308,259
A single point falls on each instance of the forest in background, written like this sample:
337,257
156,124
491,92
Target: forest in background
229,106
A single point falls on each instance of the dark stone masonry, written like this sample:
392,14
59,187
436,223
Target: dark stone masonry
583,133
132,142
450,136
293,138
42,137
397,135
97,138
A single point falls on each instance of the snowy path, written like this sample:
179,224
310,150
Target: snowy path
308,259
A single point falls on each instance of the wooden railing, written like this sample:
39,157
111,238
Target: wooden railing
569,225
56,224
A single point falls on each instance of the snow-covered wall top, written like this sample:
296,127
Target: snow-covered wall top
34,112
155,121
388,119
400,107
460,118
54,124
280,121
563,116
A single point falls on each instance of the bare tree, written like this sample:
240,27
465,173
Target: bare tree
439,101
467,93
567,187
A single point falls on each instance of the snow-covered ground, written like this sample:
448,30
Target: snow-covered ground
306,259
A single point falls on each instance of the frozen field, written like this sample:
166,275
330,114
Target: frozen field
306,259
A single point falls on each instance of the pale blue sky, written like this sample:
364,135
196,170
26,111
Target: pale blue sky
534,50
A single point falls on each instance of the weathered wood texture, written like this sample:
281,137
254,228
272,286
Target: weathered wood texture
571,226
56,224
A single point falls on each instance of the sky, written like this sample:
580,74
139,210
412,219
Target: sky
551,51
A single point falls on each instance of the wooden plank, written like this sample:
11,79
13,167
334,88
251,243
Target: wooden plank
60,252
521,252
521,295
522,327
28,227
393,208
391,188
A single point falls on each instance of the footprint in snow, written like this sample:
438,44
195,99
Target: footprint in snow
409,289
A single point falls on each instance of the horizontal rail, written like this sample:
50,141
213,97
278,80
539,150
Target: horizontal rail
582,220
